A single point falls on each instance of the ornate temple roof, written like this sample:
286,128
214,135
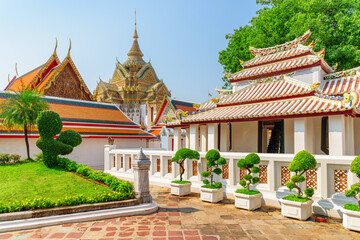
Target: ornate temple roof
268,89
342,85
285,58
42,77
90,119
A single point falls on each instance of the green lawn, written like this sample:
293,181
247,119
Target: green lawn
34,180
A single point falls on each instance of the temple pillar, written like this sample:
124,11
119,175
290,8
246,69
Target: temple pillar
177,138
341,135
224,137
304,135
194,137
212,136
187,138
203,138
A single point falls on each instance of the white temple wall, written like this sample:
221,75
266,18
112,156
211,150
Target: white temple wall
90,152
289,135
310,76
357,136
239,85
244,136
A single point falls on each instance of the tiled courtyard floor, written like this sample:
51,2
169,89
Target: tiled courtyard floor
189,218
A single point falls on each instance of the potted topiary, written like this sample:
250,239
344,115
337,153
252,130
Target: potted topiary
181,187
351,212
297,205
212,191
247,198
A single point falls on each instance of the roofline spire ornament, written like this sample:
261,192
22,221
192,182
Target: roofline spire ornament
56,44
68,54
16,71
135,18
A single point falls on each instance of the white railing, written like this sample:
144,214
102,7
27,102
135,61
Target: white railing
331,178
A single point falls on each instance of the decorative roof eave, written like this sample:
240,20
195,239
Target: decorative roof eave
123,71
319,62
288,45
164,102
319,105
345,73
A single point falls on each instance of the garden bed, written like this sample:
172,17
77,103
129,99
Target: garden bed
31,186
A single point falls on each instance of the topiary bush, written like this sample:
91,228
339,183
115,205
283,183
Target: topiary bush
249,163
181,155
354,190
213,161
49,124
302,162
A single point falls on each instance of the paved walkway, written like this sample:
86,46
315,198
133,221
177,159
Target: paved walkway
189,218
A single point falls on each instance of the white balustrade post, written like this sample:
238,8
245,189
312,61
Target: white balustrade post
162,166
177,138
199,170
324,180
232,167
272,175
107,149
141,165
212,136
152,166
194,137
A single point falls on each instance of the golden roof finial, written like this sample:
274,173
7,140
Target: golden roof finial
54,53
135,18
16,70
68,54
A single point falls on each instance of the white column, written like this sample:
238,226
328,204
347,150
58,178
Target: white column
177,138
336,135
349,136
203,138
304,135
224,137
212,136
107,149
187,139
194,137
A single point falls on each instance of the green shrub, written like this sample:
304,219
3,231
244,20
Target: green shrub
249,163
49,124
15,157
245,191
302,162
181,155
354,190
213,161
4,158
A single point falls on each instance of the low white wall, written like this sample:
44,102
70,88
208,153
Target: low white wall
90,152
330,179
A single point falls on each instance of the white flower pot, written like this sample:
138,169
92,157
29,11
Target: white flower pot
298,210
248,202
351,219
180,189
211,195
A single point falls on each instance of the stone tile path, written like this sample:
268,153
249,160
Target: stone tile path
190,219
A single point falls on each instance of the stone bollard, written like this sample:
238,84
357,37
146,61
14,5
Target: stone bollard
107,149
141,165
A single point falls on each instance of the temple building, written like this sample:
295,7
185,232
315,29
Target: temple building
169,108
285,99
54,78
134,87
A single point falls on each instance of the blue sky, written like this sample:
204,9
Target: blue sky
182,38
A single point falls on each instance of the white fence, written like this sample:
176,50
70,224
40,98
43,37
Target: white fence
330,180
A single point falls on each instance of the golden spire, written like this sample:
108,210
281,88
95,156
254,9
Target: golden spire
16,70
68,54
135,54
54,53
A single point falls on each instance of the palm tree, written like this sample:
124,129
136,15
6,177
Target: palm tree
21,110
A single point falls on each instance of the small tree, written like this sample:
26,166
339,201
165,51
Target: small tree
354,190
21,110
49,125
181,155
302,162
248,163
213,161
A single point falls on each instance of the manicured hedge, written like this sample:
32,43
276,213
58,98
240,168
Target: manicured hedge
122,190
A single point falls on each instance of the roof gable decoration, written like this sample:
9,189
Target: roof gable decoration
346,73
258,52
